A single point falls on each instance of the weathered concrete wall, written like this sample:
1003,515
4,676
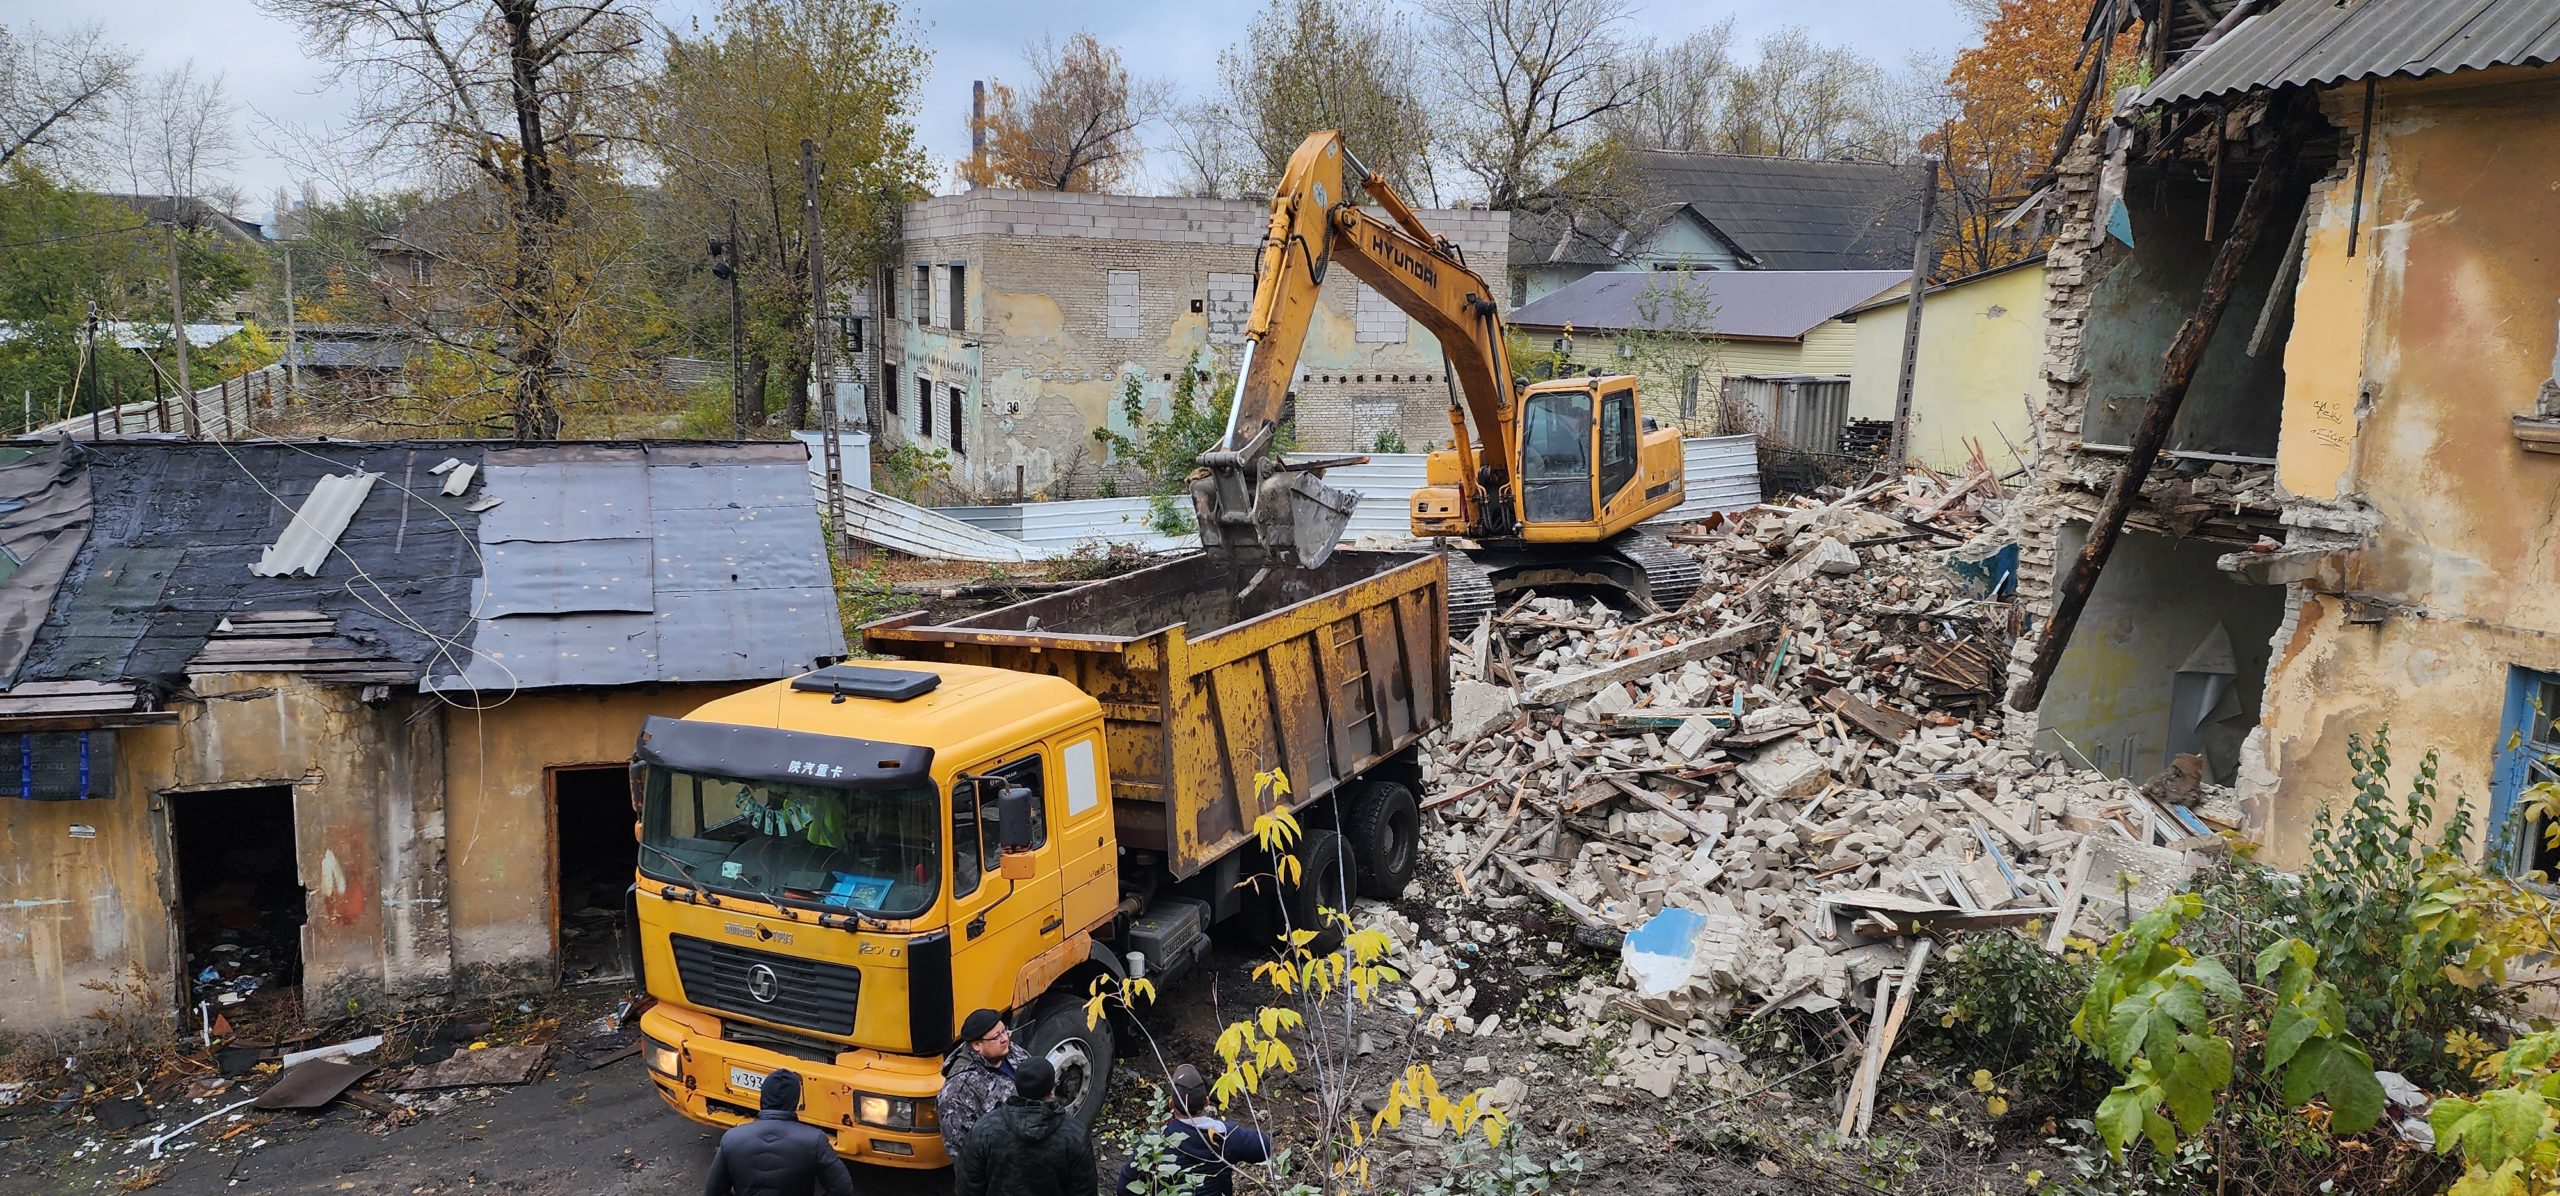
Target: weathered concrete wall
502,827
368,807
1069,295
1980,367
2457,267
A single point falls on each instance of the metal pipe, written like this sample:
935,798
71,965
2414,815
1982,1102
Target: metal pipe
1235,405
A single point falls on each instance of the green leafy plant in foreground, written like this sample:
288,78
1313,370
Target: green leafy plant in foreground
2157,1013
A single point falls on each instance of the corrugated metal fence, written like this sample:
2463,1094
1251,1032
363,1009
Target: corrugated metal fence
1723,474
222,411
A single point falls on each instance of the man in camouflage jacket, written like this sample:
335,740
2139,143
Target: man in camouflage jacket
981,1079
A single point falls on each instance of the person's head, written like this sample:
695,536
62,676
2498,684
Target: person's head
1190,1092
986,1033
781,1091
1034,1079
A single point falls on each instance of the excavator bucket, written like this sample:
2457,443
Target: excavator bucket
1293,517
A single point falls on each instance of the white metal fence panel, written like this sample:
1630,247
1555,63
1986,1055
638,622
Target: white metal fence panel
1056,528
884,522
223,411
1722,474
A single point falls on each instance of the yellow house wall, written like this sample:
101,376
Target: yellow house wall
1981,357
2432,338
502,828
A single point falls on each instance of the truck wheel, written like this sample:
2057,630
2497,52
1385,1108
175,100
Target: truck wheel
1383,823
1325,882
1082,1054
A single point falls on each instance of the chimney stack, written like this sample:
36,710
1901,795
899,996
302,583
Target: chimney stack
977,128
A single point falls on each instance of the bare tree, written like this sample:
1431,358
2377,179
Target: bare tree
1684,90
1803,99
1307,66
175,140
1074,126
1525,85
1210,163
55,89
525,100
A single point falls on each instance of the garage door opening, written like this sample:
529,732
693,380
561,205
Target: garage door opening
597,851
240,902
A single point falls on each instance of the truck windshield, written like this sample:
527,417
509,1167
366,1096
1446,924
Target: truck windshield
871,850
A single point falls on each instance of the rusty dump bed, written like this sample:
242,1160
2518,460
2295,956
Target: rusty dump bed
1322,673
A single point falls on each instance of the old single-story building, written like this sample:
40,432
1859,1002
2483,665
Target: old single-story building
1684,333
2351,523
1978,373
349,722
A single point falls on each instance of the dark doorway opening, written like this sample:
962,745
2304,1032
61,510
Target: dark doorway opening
240,902
597,852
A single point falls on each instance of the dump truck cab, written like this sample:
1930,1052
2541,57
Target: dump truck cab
835,869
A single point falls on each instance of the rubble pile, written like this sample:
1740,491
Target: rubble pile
1764,801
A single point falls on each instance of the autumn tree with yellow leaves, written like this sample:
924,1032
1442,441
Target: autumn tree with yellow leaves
2007,99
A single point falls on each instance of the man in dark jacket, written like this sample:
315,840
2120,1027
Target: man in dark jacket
777,1154
1029,1147
1205,1149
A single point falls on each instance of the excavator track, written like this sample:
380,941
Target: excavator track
1470,592
1670,573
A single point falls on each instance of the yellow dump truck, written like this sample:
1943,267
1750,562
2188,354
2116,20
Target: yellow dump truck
835,869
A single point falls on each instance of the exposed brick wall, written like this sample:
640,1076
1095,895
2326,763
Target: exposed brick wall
1069,294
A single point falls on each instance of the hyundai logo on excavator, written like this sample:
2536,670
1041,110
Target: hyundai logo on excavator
1395,255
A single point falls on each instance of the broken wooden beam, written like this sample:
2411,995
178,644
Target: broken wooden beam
1583,685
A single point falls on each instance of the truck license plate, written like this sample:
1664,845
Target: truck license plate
746,1081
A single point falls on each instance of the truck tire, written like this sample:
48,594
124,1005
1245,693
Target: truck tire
1325,881
1082,1054
1383,825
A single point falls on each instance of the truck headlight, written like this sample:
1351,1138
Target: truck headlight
660,1057
896,1112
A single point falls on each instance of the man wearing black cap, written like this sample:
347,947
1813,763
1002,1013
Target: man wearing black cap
776,1154
980,1077
1205,1149
1029,1147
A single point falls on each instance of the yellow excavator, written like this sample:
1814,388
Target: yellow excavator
1550,484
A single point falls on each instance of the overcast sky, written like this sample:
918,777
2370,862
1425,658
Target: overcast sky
269,77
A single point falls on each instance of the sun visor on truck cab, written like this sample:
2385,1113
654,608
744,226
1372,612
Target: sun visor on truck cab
766,754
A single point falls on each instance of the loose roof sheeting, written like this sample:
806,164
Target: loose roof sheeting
44,518
2324,42
175,529
615,564
316,526
1748,304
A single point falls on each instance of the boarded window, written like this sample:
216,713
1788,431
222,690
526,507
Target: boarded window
61,765
1230,304
920,293
1375,320
1121,305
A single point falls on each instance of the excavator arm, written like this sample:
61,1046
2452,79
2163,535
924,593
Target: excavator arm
1249,503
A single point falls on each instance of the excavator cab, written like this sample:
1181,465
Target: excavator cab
1580,444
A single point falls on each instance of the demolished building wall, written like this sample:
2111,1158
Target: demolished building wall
2400,435
1064,296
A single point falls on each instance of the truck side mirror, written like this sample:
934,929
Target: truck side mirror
1014,816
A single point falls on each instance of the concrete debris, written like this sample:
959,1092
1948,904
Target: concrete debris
1765,800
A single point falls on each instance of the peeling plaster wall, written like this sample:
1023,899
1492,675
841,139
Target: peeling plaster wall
1978,374
501,831
2458,267
368,804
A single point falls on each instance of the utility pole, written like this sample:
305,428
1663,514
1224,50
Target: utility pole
737,333
292,346
178,324
1900,457
822,384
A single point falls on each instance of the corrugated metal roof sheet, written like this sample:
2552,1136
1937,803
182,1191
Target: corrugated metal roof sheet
2321,42
1768,304
316,526
1786,213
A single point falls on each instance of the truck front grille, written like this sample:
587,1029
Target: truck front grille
807,993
